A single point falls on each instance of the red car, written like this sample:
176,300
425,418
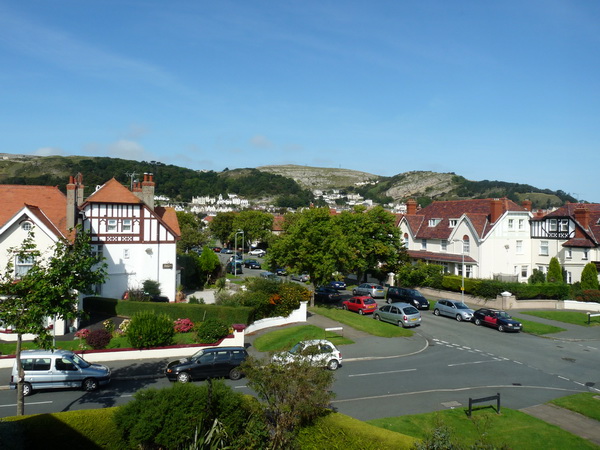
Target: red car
361,305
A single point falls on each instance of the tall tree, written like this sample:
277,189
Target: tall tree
49,289
193,234
256,225
222,227
589,276
554,271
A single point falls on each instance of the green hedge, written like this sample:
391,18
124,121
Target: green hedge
87,428
196,313
491,288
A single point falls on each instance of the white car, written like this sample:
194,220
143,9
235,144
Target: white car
318,352
257,252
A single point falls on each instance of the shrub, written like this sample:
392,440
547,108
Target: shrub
211,330
183,325
109,325
589,295
170,418
98,339
148,329
124,326
151,287
537,277
589,277
83,333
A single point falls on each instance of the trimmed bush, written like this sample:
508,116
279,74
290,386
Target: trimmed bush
211,330
589,295
147,330
98,339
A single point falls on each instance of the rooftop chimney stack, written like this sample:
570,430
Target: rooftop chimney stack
148,190
411,206
74,199
495,209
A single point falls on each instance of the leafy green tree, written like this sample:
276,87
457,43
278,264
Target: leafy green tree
589,277
292,395
222,227
193,234
537,277
256,225
554,271
312,242
209,265
50,288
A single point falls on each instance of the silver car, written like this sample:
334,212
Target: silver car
401,314
371,289
453,308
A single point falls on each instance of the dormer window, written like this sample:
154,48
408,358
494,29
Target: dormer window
434,222
452,223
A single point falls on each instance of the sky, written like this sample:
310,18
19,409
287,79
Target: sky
490,90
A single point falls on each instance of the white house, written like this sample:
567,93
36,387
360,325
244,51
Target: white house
485,238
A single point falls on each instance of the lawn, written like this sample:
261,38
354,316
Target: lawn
572,317
285,338
511,429
362,323
537,328
586,403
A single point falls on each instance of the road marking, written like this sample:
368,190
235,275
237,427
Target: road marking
27,404
380,373
564,378
517,362
472,362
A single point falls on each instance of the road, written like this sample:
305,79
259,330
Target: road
454,361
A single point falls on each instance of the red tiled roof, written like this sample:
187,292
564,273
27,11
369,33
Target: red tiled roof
48,201
579,242
113,192
593,213
169,217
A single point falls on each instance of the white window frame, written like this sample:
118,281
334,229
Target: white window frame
111,225
568,253
127,225
444,245
519,247
585,254
563,225
511,224
466,246
524,272
26,226
544,248
23,265
521,224
569,277
434,222
552,225
423,244
452,223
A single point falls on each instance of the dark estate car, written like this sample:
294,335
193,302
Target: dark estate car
406,295
251,264
338,285
327,295
208,363
497,319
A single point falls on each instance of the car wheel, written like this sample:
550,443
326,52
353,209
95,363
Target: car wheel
235,374
376,317
477,322
436,312
27,389
353,292
500,328
361,312
333,364
401,324
459,318
371,294
345,307
184,377
90,384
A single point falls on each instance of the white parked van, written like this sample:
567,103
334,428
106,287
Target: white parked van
47,369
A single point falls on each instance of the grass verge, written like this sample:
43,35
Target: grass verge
486,429
539,329
572,317
586,403
285,338
362,323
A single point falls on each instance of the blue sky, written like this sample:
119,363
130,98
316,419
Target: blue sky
498,90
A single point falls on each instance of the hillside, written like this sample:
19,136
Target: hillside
283,186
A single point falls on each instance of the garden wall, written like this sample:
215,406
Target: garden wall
298,315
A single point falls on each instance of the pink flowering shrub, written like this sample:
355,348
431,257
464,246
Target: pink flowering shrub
183,325
83,333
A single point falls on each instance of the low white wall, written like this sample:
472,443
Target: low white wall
237,340
298,315
582,306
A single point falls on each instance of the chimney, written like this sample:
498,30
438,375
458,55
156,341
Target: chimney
74,199
495,209
526,204
148,190
582,216
411,206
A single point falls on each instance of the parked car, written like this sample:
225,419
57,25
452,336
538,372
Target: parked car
370,289
326,294
251,264
453,308
303,277
497,319
405,295
227,251
47,369
217,249
361,304
257,252
339,285
401,314
270,276
281,271
319,352
234,268
208,363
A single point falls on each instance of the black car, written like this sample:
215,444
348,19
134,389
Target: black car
281,272
497,319
251,264
338,285
208,363
326,294
405,295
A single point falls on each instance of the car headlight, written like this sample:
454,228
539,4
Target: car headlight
510,324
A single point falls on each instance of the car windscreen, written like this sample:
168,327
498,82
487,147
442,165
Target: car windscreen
461,306
296,348
82,363
504,315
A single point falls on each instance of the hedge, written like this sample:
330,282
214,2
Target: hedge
196,313
492,288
